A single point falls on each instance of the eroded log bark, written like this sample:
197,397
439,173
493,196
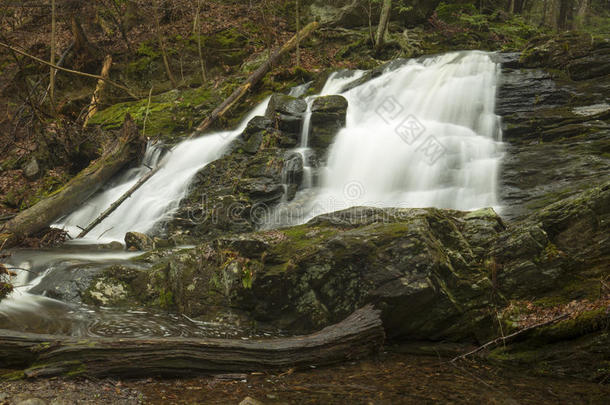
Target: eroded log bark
127,148
358,336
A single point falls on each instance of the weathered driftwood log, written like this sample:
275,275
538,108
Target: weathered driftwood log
127,148
358,336
256,77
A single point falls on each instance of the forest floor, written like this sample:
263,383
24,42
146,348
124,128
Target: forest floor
393,378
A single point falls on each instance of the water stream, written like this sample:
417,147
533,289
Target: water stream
424,133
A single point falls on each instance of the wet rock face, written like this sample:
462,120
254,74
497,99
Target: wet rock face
251,139
67,283
328,116
287,115
234,193
556,136
258,170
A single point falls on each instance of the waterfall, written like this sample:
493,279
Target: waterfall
160,196
423,134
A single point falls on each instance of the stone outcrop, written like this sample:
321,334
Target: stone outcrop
579,54
258,170
287,115
328,116
555,133
435,274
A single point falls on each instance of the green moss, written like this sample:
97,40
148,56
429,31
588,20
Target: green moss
166,300
13,376
168,115
147,49
584,323
449,12
575,290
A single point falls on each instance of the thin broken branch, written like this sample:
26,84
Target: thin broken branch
76,72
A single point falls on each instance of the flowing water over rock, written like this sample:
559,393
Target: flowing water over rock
423,134
157,199
47,299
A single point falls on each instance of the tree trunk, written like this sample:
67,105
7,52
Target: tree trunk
383,24
99,88
564,21
128,148
358,336
544,12
258,74
298,6
583,13
197,29
168,70
81,43
52,71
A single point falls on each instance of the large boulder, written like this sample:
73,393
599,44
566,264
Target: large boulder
287,114
419,265
328,115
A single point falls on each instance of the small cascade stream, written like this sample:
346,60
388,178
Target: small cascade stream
422,134
156,200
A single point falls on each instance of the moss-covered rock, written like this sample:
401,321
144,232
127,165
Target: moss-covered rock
168,115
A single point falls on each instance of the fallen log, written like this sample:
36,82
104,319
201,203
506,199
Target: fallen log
118,202
359,335
127,148
256,77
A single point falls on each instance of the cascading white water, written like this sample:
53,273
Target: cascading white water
421,135
335,83
160,196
